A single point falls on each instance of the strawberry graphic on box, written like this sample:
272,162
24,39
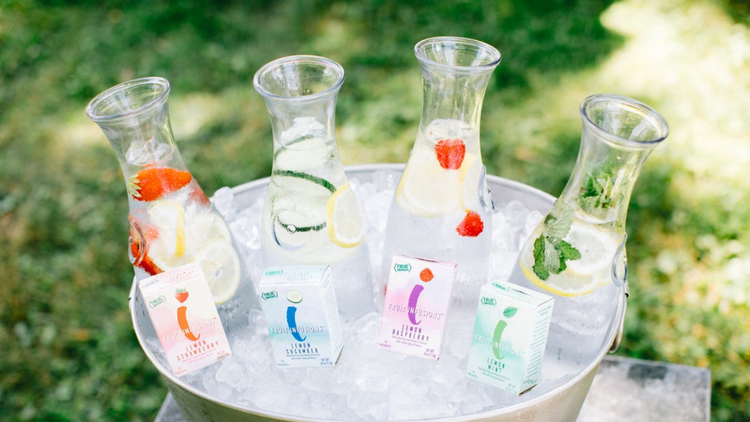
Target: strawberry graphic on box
181,295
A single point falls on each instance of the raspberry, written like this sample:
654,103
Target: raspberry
471,225
426,275
450,153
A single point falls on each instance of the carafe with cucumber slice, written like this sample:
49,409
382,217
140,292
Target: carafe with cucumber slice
310,215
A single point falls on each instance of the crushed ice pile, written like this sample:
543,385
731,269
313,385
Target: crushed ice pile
367,383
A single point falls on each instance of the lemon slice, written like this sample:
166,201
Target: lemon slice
428,190
597,248
582,276
473,186
560,284
345,226
221,266
168,248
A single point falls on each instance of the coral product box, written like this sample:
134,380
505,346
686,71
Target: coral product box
417,299
183,312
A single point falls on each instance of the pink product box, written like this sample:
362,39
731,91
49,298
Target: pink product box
416,304
183,312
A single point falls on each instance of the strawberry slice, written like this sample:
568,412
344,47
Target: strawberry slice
148,266
200,198
471,225
139,247
153,183
450,153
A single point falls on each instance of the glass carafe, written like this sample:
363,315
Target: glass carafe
442,209
311,215
172,222
576,253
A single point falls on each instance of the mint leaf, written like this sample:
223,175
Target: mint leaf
546,258
558,226
552,259
567,252
551,252
598,191
539,258
509,312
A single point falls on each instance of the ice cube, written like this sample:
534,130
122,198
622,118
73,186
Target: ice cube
374,405
532,220
476,402
372,377
141,153
515,212
231,371
303,126
223,201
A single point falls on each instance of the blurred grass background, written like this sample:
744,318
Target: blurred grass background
68,348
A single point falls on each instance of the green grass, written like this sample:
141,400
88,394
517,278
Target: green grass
69,352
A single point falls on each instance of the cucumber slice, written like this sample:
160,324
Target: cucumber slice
294,228
286,145
304,153
292,174
299,208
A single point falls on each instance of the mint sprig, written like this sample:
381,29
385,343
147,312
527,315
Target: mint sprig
598,191
551,252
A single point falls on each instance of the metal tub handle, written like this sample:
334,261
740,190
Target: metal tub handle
620,278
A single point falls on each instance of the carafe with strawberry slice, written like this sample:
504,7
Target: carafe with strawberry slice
442,208
172,222
311,215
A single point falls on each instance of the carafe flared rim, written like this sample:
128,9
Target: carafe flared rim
492,54
160,92
323,62
631,106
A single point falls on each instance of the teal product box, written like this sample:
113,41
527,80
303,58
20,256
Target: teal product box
299,304
510,334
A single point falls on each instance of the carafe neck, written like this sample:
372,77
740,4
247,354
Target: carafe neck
300,94
135,118
455,75
295,121
618,136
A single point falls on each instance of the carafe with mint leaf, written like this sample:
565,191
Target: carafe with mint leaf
311,215
577,253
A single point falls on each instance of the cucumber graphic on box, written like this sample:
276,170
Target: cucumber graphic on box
294,296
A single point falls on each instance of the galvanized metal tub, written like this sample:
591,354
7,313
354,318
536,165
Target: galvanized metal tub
562,404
